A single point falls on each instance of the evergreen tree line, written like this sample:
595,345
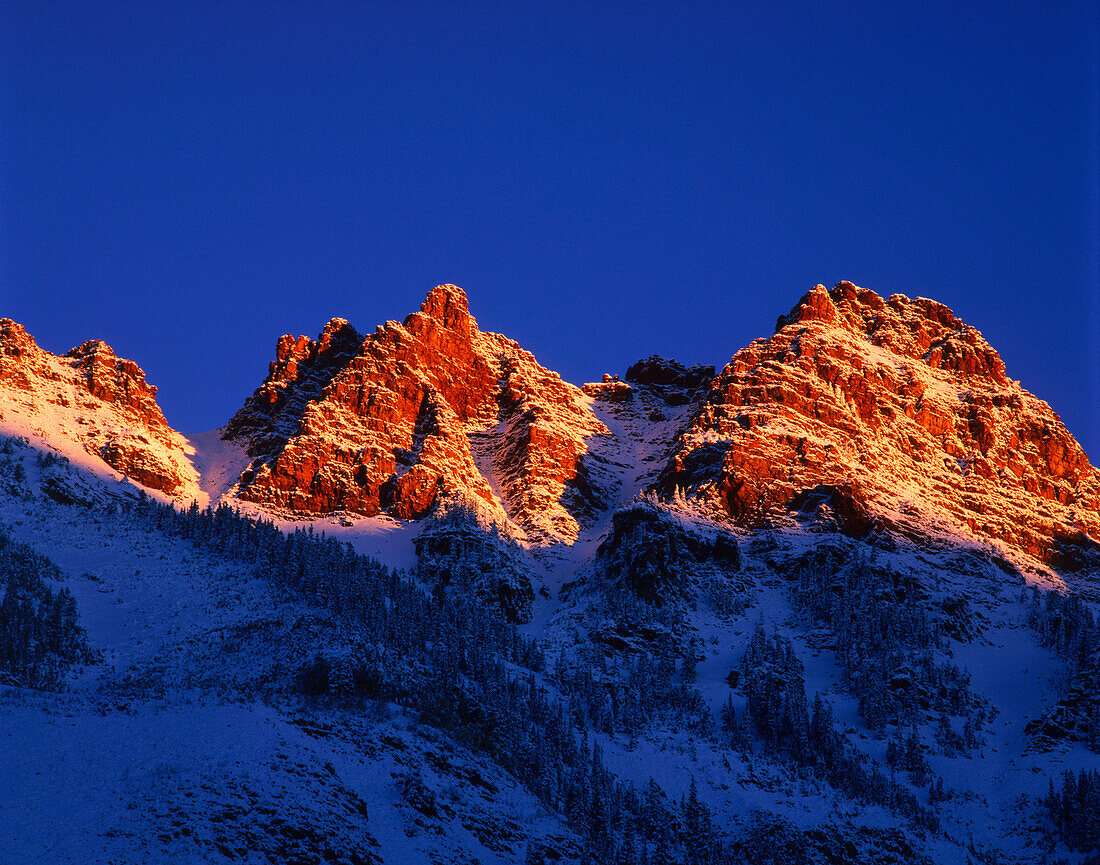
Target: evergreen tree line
480,560
1075,809
1067,625
40,632
772,679
629,695
411,630
885,643
467,670
621,824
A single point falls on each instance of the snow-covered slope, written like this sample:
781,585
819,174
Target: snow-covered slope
180,744
746,617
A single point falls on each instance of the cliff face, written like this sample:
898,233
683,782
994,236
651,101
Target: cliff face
413,412
888,411
93,399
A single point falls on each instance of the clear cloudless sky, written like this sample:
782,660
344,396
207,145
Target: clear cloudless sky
189,180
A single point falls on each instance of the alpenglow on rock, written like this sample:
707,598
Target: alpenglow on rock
858,413
91,400
899,407
413,412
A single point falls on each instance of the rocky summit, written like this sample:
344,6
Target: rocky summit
900,415
858,413
880,412
414,412
91,401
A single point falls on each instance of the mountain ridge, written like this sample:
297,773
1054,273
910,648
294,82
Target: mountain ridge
95,407
903,411
703,646
883,412
405,404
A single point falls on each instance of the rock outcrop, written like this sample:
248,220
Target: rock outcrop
1073,717
666,380
661,559
858,413
91,398
900,411
455,550
657,370
415,411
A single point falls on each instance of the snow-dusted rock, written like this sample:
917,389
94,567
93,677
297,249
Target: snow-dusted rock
93,407
454,550
660,558
906,409
276,697
428,407
666,372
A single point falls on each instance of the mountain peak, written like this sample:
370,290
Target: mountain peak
14,339
412,414
895,404
815,305
448,304
920,328
901,402
93,401
90,348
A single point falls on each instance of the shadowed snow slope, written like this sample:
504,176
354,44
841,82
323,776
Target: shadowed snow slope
781,614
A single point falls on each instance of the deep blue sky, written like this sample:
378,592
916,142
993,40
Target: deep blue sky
189,180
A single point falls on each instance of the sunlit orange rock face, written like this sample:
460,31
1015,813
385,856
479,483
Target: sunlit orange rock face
115,408
412,412
899,413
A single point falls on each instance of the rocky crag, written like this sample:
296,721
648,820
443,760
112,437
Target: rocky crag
888,413
859,413
415,412
91,399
